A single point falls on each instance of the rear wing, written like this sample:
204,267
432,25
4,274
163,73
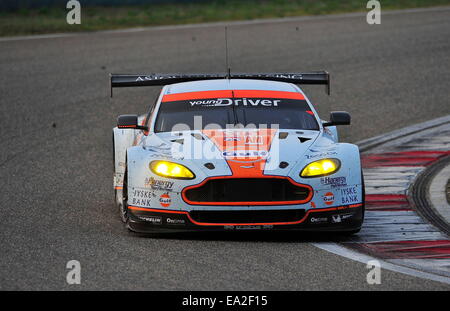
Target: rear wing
131,80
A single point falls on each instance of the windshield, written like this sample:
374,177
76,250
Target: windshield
259,112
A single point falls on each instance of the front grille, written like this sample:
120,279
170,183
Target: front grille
233,190
241,217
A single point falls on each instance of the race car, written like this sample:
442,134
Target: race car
235,152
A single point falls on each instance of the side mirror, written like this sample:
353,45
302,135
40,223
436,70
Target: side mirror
129,121
338,118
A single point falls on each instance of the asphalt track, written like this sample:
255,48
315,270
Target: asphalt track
56,165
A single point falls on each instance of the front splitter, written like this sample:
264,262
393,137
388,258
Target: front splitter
335,219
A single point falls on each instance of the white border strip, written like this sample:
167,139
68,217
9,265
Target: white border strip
225,23
350,254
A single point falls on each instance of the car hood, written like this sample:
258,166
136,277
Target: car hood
246,152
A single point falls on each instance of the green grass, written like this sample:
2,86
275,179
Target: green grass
52,20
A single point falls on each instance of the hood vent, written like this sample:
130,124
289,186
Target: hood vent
303,139
197,136
283,164
210,166
283,135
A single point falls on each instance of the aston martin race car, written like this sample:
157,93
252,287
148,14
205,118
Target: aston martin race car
235,152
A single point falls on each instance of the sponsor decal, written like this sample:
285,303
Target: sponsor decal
165,200
326,149
142,197
157,184
141,202
221,102
316,220
349,195
253,140
334,182
160,156
247,227
156,220
245,154
321,155
340,218
174,221
328,198
145,194
205,102
313,205
247,138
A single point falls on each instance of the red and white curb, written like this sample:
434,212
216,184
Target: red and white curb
393,232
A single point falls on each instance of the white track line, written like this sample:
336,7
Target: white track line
225,23
350,254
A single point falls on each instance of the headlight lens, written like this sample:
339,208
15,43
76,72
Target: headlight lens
171,170
321,168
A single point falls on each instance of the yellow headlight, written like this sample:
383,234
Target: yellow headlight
171,170
321,168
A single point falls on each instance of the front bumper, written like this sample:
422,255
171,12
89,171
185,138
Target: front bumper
337,219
